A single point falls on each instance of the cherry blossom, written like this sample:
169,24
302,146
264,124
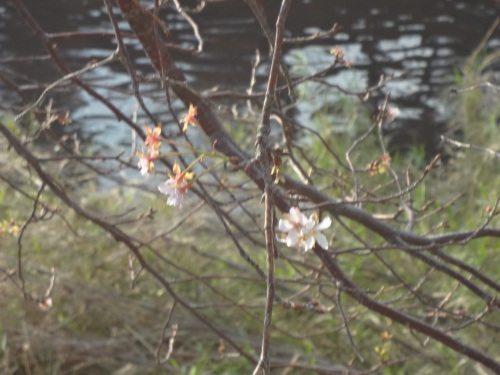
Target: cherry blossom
146,164
153,140
190,117
314,233
303,232
292,224
176,186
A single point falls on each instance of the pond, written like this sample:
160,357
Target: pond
428,39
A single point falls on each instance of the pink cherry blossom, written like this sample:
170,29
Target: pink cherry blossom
190,117
153,140
176,186
146,164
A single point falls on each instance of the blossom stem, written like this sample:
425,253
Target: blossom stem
177,153
192,150
225,159
219,163
178,144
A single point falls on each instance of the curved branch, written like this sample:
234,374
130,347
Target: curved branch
400,317
116,233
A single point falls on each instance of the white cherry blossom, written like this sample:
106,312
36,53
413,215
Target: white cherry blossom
315,233
300,231
293,224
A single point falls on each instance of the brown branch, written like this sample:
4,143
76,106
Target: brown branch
86,34
32,218
125,58
115,232
317,35
264,158
88,68
386,231
259,13
52,51
400,317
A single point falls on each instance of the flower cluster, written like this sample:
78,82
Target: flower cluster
146,162
177,184
300,231
153,143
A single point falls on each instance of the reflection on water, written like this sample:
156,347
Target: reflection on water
428,39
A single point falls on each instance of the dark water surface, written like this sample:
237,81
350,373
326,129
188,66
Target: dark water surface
427,39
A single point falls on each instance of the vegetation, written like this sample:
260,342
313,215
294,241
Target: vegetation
100,277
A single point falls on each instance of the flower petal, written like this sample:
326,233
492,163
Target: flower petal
308,243
295,215
179,199
166,187
309,225
281,238
176,168
325,223
292,239
143,165
322,241
284,226
172,200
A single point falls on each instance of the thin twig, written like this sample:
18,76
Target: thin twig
171,340
193,24
470,146
88,68
346,324
264,158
